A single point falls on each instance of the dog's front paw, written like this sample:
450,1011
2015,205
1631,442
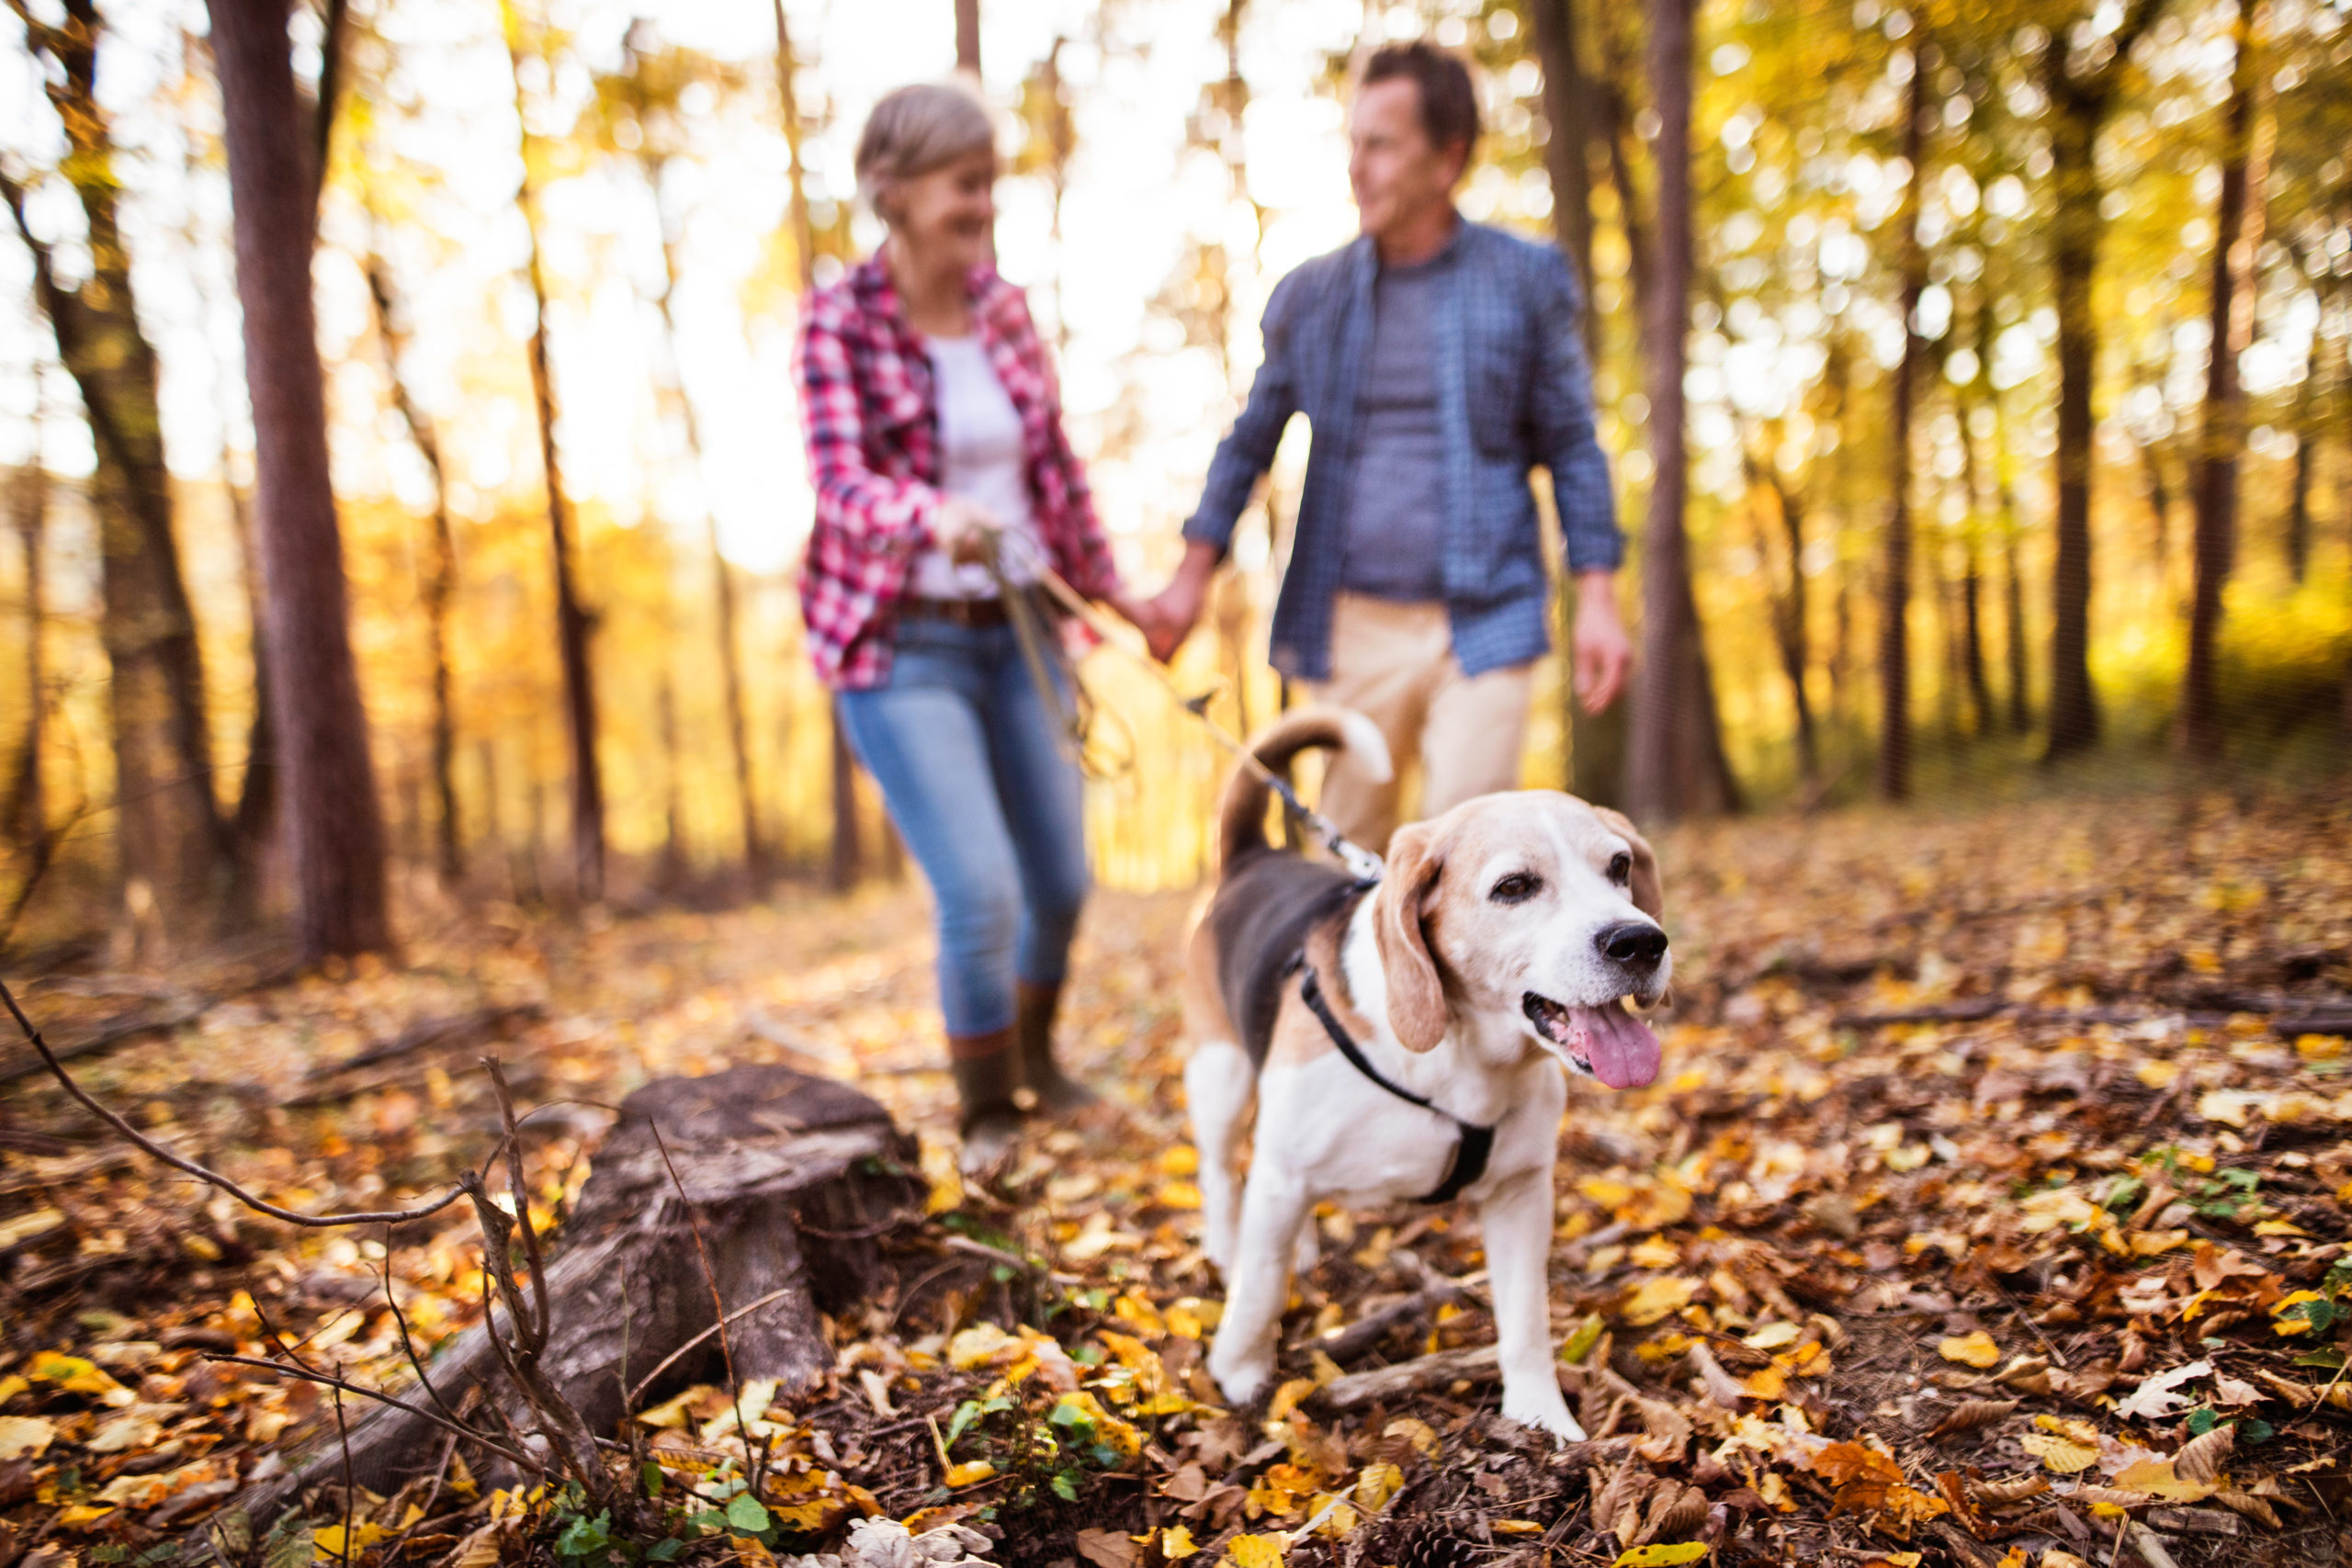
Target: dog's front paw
1241,1378
1541,1408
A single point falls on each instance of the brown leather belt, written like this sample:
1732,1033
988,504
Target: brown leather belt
968,613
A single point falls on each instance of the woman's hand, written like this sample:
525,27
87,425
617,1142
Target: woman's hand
965,529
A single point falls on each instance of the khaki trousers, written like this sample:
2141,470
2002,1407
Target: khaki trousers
1394,663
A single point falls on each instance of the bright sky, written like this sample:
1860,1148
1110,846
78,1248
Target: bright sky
442,135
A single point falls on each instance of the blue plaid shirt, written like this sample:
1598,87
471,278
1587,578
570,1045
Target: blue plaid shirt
1513,391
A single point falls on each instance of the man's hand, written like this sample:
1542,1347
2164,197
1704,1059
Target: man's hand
1601,653
1169,617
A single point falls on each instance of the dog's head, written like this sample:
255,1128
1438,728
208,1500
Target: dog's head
1529,911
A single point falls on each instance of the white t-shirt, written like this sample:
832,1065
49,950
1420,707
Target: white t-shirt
983,458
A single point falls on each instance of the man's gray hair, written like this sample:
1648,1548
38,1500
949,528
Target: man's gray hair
917,129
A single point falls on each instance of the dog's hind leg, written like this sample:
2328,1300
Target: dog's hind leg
1218,1084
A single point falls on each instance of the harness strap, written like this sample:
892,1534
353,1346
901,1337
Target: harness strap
1472,1144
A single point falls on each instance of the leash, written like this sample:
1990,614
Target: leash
1038,646
1472,1144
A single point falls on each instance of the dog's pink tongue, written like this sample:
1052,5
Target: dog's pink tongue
1624,1053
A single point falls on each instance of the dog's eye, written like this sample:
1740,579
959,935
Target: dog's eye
1516,888
1620,867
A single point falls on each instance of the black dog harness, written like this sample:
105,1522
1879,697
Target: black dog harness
1472,1144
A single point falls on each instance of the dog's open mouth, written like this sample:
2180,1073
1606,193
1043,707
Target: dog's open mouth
1607,1041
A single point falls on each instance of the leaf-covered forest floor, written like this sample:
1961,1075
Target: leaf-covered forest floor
1990,1210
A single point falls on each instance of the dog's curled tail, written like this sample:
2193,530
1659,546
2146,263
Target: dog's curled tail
1242,821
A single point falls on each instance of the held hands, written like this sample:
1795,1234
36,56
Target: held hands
1167,618
1598,644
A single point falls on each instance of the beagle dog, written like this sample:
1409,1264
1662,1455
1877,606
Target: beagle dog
1404,1041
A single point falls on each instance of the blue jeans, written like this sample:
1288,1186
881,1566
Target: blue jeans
965,751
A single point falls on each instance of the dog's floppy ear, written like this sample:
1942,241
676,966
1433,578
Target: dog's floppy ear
1415,993
1649,891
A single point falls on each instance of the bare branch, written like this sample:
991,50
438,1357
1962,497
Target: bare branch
672,1358
204,1173
329,1379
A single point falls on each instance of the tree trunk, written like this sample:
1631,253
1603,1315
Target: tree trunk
1894,775
2159,505
2079,106
731,663
843,863
1596,760
2013,629
789,1181
968,36
440,586
1675,765
1567,151
669,872
847,864
1971,646
2237,238
573,623
1788,605
335,833
173,845
26,823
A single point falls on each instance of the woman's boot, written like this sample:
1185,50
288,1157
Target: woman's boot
1058,1093
986,1070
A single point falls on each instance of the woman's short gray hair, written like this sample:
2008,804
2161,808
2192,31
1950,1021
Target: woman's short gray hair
917,129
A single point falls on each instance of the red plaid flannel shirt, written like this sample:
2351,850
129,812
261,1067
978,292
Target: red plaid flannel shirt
872,417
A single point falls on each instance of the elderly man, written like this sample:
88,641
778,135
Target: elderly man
1437,361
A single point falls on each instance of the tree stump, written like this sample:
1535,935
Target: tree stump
791,1180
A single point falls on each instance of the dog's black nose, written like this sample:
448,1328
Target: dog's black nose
1635,943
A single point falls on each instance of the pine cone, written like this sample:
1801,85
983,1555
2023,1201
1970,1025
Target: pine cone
1426,1543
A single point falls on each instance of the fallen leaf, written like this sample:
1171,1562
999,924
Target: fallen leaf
2155,1399
1176,1543
1420,1434
1655,1300
1108,1549
1969,1415
1661,1556
1255,1551
1974,1349
2202,1459
970,1473
25,1436
1376,1484
2063,1455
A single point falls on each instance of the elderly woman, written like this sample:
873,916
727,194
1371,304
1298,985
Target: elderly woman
935,444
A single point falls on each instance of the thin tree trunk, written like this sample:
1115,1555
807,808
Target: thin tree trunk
440,586
335,830
847,862
1980,689
1895,580
2159,504
1596,759
1567,157
174,846
731,662
2298,494
843,863
573,624
2080,102
27,809
670,873
968,36
1676,763
1789,622
2237,238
